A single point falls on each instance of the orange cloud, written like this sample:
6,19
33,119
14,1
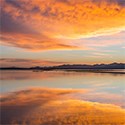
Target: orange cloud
14,62
54,107
42,25
34,43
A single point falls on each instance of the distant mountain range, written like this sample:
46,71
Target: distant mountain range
68,66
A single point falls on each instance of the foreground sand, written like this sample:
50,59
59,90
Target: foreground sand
57,107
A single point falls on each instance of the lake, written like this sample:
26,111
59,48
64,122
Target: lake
95,90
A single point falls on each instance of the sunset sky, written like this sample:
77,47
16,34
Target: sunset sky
54,32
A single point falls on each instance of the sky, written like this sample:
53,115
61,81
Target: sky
54,32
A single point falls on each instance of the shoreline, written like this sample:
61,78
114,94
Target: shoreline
113,71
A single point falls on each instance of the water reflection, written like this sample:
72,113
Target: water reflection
83,98
57,107
23,75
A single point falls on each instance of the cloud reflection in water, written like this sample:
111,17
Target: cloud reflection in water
43,106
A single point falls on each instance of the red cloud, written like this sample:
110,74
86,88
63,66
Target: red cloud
10,62
43,25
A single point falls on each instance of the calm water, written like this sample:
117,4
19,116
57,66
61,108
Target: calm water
103,87
62,98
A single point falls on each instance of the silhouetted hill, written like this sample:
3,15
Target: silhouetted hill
68,66
96,66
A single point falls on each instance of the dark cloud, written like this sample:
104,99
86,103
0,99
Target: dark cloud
9,25
35,9
121,2
14,3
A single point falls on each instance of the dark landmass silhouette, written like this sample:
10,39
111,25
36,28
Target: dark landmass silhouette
71,67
